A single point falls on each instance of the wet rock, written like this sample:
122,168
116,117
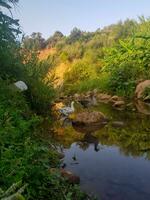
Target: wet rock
71,178
143,107
130,104
118,124
103,98
115,98
89,117
119,104
140,89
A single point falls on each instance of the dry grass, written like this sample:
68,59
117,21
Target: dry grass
46,52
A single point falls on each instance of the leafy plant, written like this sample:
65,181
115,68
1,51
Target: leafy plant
14,192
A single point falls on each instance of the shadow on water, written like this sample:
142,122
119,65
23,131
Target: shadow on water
113,161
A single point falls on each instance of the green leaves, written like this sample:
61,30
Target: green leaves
13,192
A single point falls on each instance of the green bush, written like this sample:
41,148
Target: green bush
123,79
100,83
26,157
80,70
40,93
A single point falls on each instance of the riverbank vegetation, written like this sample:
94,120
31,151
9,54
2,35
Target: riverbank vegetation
113,59
26,158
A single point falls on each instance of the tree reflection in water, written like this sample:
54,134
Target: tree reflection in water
132,140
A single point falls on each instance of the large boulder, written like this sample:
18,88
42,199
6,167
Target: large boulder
89,117
140,89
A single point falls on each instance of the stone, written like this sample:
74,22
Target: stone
118,124
71,178
119,103
141,88
103,97
143,107
89,117
115,98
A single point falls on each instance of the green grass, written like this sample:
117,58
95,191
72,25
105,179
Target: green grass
100,83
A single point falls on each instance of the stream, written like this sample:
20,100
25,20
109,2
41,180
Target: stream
113,161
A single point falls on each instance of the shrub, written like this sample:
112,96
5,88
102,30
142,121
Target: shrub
123,78
80,70
41,92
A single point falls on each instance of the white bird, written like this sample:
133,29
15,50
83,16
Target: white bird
67,110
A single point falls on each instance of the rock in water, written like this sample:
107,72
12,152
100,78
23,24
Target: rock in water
118,124
21,85
88,117
68,175
143,107
141,87
119,103
72,178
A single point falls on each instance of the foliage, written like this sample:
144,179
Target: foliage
26,159
80,70
120,50
83,86
33,42
40,92
9,49
53,40
13,192
74,36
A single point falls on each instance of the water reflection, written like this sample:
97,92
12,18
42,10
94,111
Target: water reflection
113,163
89,138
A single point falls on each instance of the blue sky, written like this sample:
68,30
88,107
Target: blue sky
47,16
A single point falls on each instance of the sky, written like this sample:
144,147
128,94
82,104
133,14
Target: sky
48,16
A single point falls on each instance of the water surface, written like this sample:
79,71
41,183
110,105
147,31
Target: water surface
113,162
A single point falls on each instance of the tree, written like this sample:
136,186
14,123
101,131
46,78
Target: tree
9,27
9,46
74,35
34,42
53,40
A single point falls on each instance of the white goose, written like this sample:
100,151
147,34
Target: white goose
67,110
